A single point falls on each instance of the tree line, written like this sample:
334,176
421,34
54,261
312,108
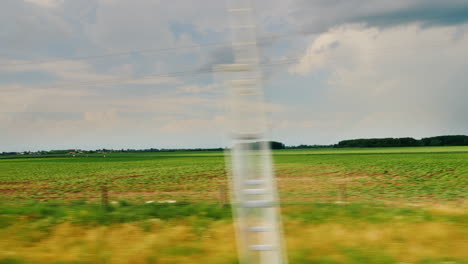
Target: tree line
455,140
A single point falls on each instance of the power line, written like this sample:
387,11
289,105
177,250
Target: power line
143,51
116,54
167,75
161,50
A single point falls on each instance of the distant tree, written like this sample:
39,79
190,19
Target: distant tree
378,142
277,145
456,140
436,142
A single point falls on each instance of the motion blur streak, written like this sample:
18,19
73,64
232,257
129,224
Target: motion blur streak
254,191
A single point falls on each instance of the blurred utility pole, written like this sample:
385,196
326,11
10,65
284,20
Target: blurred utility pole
254,193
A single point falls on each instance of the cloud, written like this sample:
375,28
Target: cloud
127,24
367,68
70,70
104,130
75,73
47,3
197,89
28,30
194,125
320,15
428,13
100,116
53,116
19,98
414,72
154,81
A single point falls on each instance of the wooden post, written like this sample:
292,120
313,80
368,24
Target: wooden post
342,192
222,195
104,197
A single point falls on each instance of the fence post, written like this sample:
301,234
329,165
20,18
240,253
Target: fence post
342,192
104,197
222,195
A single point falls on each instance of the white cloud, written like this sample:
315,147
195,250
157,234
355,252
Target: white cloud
194,125
391,79
342,47
385,62
195,89
155,80
29,31
18,98
70,73
101,116
129,25
47,3
414,72
68,70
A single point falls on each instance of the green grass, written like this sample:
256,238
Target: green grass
403,205
316,232
429,174
91,214
82,213
407,174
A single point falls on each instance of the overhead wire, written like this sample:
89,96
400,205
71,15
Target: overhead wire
166,75
116,54
162,50
145,51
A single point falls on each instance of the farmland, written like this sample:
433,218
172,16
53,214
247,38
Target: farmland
408,174
409,205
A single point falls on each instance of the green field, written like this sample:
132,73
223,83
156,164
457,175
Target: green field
423,174
396,205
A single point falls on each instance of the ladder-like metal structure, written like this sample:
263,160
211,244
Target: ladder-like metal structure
253,188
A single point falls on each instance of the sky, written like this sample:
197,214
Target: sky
94,74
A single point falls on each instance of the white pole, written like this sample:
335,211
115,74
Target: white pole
253,187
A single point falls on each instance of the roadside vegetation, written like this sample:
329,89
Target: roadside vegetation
377,205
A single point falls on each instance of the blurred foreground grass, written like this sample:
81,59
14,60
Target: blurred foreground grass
131,232
406,205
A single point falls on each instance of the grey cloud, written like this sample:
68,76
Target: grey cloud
92,27
320,15
428,13
223,55
53,116
399,81
26,29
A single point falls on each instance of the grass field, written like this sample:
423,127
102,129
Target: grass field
407,174
402,205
